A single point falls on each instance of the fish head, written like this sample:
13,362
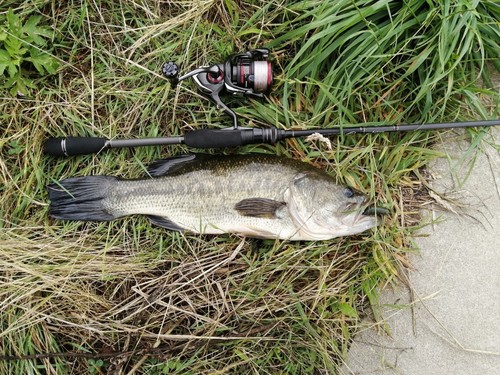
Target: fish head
322,209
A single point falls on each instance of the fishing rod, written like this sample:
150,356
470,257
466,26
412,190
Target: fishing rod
219,138
246,74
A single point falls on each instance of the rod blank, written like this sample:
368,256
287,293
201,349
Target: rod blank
392,128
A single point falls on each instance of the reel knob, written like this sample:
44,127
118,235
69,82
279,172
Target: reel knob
170,70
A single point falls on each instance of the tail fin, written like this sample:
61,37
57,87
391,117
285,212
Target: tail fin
80,198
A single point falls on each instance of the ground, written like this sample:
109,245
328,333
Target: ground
448,320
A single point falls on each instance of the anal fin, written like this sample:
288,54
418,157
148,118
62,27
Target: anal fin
165,223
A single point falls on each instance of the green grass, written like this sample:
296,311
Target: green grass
126,296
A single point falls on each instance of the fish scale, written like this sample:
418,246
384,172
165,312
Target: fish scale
193,196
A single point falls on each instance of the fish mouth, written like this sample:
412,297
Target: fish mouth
368,215
365,209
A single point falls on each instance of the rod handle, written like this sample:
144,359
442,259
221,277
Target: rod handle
214,138
74,146
220,138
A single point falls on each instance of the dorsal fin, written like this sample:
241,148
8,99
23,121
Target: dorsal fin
165,166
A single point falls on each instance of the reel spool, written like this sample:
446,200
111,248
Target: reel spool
248,74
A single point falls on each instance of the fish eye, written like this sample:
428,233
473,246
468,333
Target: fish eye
348,193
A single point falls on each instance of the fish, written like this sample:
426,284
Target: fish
261,196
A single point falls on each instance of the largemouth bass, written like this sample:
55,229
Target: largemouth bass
252,195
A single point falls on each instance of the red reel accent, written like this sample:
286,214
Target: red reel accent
215,80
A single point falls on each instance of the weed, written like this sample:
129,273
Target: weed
22,44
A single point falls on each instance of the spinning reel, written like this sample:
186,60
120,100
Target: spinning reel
246,74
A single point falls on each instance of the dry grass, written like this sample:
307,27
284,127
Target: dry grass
71,294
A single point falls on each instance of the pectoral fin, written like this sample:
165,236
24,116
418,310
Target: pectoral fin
259,207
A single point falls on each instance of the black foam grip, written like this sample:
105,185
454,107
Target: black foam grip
210,138
74,146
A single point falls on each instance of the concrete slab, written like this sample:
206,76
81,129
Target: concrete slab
453,324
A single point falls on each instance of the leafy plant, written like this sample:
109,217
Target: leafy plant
21,46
